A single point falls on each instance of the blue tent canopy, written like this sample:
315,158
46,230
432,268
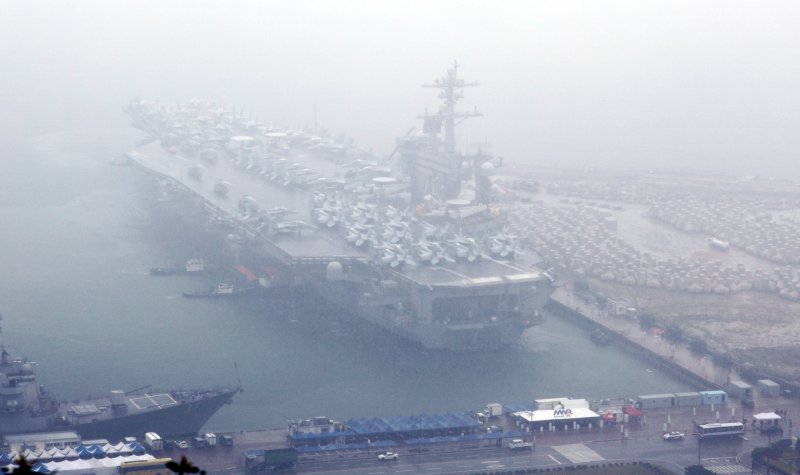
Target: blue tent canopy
137,448
40,468
424,422
91,451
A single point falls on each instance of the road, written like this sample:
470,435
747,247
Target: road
726,456
643,441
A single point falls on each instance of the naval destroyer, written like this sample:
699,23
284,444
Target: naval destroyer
26,407
414,242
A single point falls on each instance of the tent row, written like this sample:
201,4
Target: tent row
84,466
83,452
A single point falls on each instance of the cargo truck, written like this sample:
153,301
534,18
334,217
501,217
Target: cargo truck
199,442
211,439
262,460
154,442
494,410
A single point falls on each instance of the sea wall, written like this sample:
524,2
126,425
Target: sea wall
667,365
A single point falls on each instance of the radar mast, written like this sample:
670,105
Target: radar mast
451,91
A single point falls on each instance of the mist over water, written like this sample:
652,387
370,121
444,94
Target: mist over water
703,85
78,299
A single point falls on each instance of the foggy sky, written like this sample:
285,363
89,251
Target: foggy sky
709,85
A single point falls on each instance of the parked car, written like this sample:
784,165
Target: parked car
181,444
748,403
388,456
673,436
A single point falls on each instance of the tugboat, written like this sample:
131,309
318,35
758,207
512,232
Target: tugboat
193,266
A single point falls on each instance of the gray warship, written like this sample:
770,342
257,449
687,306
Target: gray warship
414,242
26,407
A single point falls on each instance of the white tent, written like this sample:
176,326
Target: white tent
123,449
54,453
104,466
31,456
69,453
766,416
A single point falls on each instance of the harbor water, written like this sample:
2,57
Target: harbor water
78,237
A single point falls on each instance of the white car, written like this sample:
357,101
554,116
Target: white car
388,456
181,444
673,436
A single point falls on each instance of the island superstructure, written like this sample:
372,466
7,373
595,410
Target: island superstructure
413,242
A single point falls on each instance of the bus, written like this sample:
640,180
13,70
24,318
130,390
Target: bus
720,429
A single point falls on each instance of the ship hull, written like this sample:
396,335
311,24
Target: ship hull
181,419
413,320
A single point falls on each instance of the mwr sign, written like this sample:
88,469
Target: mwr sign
561,413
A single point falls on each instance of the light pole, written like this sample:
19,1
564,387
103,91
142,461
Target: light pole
533,434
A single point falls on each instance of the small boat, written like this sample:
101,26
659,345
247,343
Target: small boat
600,337
221,290
193,266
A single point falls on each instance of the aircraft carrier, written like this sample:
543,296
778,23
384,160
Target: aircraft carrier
414,242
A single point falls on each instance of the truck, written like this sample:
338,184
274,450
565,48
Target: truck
199,442
494,410
262,460
211,439
519,444
154,441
